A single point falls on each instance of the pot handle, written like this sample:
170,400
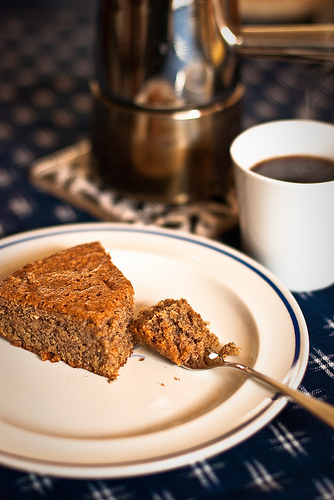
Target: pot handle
302,42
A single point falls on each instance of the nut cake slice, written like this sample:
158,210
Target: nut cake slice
74,306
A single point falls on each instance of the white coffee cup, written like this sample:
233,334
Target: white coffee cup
287,226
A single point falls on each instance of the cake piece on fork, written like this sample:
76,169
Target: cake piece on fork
179,333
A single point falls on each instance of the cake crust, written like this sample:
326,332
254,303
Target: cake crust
74,305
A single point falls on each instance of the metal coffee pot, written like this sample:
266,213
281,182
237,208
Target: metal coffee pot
167,92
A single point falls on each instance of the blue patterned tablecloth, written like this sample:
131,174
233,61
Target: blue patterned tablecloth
45,104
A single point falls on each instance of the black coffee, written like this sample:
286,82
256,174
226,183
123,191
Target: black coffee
304,169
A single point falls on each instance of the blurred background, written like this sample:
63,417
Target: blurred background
47,63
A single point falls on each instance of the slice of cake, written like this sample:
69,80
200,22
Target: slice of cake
74,306
176,331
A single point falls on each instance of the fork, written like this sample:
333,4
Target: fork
320,409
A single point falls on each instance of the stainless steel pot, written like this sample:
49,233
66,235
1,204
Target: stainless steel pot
168,95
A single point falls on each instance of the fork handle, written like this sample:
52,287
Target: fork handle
324,411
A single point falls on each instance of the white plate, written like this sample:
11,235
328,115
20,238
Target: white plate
55,419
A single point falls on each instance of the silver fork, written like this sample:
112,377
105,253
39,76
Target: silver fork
324,411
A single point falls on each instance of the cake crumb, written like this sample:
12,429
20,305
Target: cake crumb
230,349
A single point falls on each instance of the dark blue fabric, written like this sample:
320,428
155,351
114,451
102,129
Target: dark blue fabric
45,67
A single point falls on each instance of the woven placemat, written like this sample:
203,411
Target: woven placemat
68,174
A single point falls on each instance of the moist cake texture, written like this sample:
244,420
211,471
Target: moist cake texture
74,306
176,331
